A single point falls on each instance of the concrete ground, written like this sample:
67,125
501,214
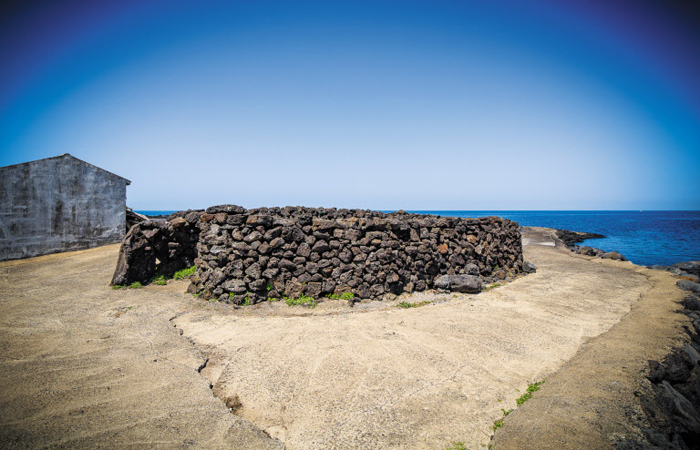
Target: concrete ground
85,366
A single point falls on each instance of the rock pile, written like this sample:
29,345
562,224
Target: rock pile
252,255
151,247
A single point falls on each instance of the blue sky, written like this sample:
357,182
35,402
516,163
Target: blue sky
384,105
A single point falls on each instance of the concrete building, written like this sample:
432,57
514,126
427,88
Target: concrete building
59,204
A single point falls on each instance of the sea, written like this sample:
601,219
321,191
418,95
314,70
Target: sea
644,237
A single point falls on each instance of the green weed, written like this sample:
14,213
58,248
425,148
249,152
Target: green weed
493,286
413,305
160,280
118,286
343,296
301,301
184,273
136,285
497,424
534,387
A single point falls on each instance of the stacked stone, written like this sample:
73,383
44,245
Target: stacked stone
155,247
266,253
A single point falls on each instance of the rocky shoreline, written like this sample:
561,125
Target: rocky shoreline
671,402
571,239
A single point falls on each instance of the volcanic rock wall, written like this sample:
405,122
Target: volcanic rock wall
293,251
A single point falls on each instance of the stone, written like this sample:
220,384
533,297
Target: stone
320,247
472,269
528,267
363,291
258,285
254,271
656,372
459,283
614,256
678,367
692,267
252,237
318,224
277,242
273,233
691,302
585,250
293,288
270,273
217,277
314,289
256,220
192,289
235,286
304,250
287,265
228,209
312,267
680,407
692,354
688,285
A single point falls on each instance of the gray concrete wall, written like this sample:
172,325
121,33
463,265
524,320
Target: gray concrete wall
59,204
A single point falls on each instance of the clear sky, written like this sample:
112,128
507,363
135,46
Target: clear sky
499,104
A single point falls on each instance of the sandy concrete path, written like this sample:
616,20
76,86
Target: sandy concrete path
594,400
411,378
84,366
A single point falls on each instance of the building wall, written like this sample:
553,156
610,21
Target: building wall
59,204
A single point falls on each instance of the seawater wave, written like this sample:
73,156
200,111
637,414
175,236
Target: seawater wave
644,237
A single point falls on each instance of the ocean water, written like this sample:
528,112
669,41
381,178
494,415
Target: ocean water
644,237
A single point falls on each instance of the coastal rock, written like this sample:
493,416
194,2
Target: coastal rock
460,283
570,238
691,303
680,408
691,267
614,256
687,285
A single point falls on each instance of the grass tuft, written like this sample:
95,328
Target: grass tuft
413,305
184,273
534,387
301,301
